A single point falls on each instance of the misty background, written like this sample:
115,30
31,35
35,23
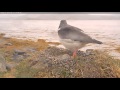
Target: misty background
59,16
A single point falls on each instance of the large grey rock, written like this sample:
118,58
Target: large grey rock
2,64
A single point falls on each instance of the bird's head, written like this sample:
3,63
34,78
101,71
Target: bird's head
63,23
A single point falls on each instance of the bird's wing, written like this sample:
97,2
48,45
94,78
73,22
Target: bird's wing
74,34
75,28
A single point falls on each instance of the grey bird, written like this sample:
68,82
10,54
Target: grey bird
73,38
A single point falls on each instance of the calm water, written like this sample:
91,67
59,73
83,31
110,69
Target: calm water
48,28
107,31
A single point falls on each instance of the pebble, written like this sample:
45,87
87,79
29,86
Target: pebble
8,44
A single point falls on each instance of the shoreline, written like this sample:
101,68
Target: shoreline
2,35
113,51
26,58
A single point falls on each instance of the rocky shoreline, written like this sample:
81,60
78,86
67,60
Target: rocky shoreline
29,59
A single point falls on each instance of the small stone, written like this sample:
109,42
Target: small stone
71,71
19,52
9,66
30,49
49,64
40,65
19,55
6,37
80,53
2,34
33,63
66,65
89,52
65,57
18,58
8,44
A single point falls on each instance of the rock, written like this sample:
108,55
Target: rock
2,64
2,42
33,63
80,53
2,34
89,52
19,55
65,57
8,44
54,51
30,49
62,60
6,38
40,65
19,52
9,66
18,58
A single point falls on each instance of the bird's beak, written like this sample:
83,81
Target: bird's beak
58,28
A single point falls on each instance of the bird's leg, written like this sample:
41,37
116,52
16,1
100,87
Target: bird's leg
74,53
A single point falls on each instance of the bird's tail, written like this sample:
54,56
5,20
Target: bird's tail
96,41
